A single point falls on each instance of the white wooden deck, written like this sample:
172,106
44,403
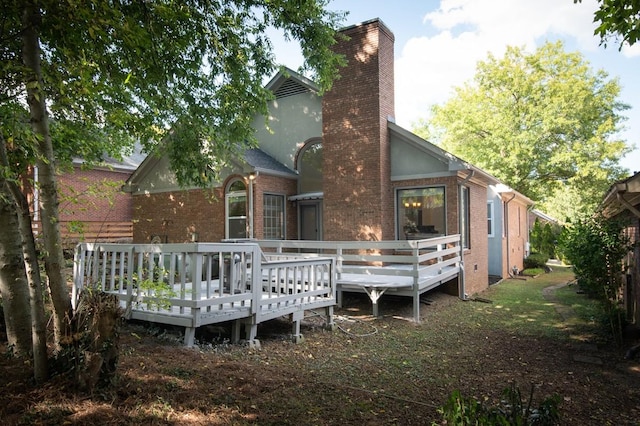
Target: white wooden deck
156,283
404,268
262,280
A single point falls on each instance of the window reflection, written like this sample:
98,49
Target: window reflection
421,213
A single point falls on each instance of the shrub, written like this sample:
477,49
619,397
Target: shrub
596,247
512,410
532,272
536,261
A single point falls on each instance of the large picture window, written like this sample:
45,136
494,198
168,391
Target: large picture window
236,209
273,222
421,213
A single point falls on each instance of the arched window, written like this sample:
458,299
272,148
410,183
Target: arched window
310,168
236,209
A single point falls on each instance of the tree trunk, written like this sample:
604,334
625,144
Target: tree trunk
30,257
53,257
13,279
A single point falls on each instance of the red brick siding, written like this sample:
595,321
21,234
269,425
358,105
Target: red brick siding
279,186
84,196
178,214
513,250
358,200
476,257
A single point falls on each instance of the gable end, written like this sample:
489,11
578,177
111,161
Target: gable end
290,88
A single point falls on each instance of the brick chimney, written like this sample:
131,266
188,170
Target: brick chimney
358,198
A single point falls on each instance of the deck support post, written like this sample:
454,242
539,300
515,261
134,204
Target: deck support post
297,317
416,307
251,330
189,336
235,331
329,324
375,294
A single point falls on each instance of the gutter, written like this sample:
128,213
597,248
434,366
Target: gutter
463,292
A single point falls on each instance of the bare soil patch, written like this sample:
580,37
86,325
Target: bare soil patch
367,371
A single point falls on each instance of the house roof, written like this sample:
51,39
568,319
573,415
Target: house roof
263,162
621,196
507,191
544,216
128,162
289,83
255,158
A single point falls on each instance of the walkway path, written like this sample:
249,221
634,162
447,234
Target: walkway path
584,352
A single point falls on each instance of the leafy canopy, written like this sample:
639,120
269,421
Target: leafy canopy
188,72
619,19
542,123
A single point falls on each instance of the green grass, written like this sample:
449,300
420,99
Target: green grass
519,306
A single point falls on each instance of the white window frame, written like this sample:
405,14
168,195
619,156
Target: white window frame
282,219
491,219
228,196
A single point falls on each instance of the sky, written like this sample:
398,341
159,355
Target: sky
438,44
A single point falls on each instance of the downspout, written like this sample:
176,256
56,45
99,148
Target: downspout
252,177
506,223
463,291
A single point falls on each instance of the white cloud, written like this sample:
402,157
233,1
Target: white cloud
429,67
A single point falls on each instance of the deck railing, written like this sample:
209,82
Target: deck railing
202,283
406,267
412,258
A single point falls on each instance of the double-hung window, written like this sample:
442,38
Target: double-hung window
273,222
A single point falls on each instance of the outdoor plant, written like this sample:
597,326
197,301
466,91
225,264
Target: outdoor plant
544,238
154,288
512,410
536,260
91,351
596,247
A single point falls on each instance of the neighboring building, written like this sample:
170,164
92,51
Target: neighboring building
93,207
508,229
330,167
623,201
542,218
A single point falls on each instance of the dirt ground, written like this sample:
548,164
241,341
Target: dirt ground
368,371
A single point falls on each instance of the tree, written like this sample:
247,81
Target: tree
596,247
619,18
543,123
91,77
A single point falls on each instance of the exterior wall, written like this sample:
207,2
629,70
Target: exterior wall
292,121
517,227
93,207
631,289
475,257
279,186
160,178
94,196
175,215
496,241
358,199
